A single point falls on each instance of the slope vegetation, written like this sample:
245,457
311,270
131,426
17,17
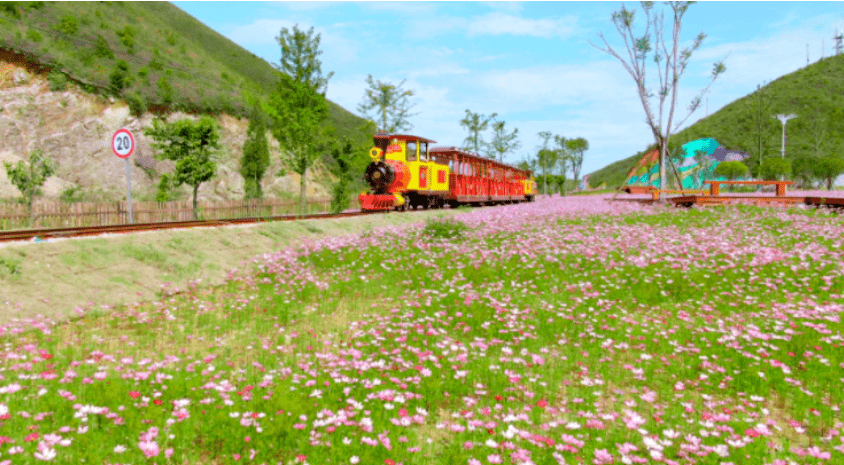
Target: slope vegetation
152,54
814,93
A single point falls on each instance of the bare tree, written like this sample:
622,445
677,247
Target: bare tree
670,64
475,123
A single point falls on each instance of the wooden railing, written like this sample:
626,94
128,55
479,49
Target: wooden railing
715,186
55,214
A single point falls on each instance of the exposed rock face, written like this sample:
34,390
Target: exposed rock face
75,129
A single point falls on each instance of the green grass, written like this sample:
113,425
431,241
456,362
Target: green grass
200,71
553,321
814,93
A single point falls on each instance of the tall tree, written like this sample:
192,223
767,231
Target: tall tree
502,142
192,145
762,123
256,155
30,179
564,161
298,107
670,64
576,149
546,158
475,123
350,159
391,105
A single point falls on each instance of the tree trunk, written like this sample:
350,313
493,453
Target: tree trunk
302,203
195,189
662,150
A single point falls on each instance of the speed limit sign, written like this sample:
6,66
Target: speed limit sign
123,143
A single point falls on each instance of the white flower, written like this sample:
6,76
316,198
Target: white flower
491,443
45,453
347,441
119,449
354,459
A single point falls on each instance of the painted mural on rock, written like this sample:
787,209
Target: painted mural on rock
696,164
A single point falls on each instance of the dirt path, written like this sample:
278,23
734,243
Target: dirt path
53,278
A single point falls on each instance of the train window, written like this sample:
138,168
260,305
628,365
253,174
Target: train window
411,151
423,151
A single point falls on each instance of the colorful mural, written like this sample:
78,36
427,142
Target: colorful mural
696,163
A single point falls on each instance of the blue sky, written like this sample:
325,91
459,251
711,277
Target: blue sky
530,62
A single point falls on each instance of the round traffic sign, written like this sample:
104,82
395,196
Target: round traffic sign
123,143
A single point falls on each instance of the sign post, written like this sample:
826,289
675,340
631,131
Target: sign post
123,144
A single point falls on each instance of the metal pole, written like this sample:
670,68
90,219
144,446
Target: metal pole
129,191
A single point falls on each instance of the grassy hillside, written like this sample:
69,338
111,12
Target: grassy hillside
152,54
814,93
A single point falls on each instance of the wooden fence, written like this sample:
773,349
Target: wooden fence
55,214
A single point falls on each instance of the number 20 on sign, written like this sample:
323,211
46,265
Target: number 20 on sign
123,144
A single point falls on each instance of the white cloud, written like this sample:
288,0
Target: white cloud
497,23
510,7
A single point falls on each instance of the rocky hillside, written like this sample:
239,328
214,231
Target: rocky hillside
74,128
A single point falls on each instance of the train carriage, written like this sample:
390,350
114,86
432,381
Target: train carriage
407,173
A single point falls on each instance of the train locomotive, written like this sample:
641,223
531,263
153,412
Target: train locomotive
407,173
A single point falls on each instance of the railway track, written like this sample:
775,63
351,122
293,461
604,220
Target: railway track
43,234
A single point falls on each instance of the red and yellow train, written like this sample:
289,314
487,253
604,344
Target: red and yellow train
407,173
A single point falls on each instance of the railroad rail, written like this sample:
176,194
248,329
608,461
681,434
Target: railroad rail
43,234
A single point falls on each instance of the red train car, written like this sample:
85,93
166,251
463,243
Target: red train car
406,173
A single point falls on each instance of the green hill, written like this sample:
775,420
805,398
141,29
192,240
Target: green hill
152,54
815,94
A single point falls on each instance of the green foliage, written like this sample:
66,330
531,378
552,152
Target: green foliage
33,35
192,145
731,170
11,9
137,103
165,90
503,142
10,266
166,191
774,168
57,81
127,36
71,195
475,123
154,27
68,25
29,178
748,124
120,78
448,229
349,159
390,103
101,48
256,156
828,169
298,107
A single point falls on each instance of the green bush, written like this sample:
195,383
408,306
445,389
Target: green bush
774,168
444,229
120,78
165,90
57,81
68,25
143,72
35,5
731,170
156,65
101,48
33,35
71,195
137,104
11,9
127,36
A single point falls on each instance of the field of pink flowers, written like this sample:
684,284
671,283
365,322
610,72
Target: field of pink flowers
570,330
